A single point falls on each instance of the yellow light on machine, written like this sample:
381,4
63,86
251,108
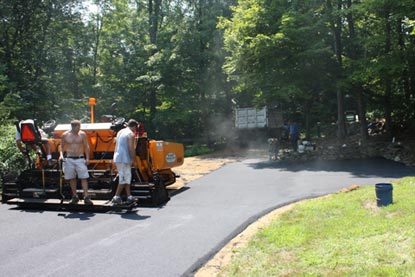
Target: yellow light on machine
92,102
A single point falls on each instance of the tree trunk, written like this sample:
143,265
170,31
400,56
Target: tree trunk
307,111
357,88
204,107
361,107
153,16
387,82
336,25
98,27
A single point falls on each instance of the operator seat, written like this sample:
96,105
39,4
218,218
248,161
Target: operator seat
30,134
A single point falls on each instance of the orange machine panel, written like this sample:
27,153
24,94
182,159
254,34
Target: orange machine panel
100,137
166,154
103,129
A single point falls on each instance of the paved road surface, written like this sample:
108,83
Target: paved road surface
176,239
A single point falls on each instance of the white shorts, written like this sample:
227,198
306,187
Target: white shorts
124,173
74,167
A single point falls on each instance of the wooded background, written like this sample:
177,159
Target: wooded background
179,65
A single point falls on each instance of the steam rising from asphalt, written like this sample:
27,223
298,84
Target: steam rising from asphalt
222,128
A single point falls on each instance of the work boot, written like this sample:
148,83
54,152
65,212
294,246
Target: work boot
116,200
87,201
131,199
74,200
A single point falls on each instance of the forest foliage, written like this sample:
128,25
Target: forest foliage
179,65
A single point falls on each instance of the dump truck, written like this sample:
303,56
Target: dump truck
42,183
258,123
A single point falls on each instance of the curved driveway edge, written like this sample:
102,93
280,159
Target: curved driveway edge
287,183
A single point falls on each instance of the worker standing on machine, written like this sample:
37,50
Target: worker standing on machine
124,159
74,142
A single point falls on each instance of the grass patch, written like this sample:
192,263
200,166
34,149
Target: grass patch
343,234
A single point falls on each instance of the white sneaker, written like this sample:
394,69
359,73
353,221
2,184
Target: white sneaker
116,200
131,199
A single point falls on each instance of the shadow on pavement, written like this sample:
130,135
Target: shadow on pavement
379,167
174,192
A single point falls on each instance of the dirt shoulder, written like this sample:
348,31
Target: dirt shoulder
196,167
224,256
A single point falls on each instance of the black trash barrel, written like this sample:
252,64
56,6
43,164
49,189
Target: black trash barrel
383,194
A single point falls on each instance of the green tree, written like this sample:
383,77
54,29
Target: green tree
271,43
280,53
40,46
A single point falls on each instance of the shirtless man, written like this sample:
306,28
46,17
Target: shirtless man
75,164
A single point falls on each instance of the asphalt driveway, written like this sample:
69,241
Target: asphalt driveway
176,239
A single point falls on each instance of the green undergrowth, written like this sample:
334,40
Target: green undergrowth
343,234
196,150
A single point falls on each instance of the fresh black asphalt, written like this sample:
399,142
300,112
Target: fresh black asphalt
176,239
